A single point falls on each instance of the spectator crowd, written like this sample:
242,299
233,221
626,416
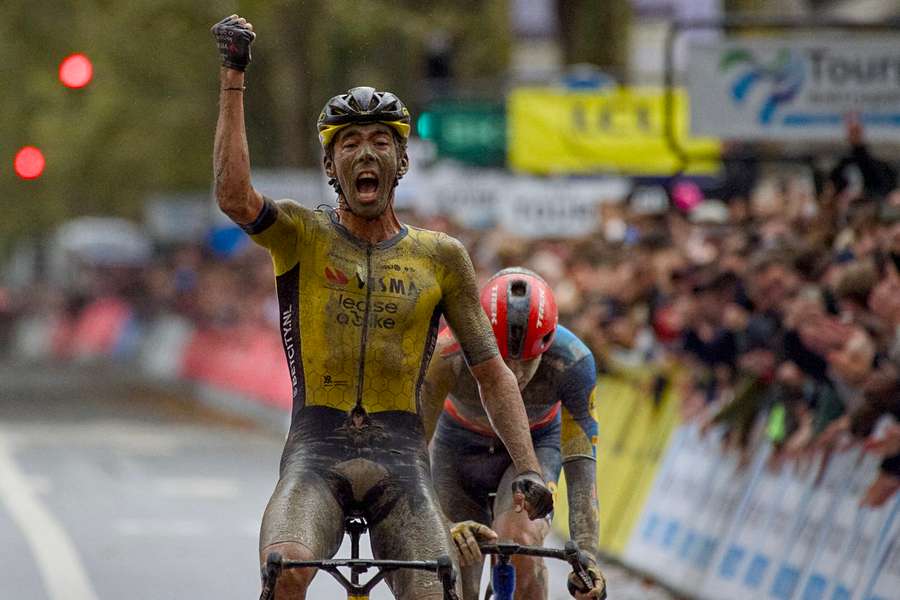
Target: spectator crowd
778,302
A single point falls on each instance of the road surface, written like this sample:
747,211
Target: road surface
114,488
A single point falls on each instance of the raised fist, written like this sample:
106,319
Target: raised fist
234,35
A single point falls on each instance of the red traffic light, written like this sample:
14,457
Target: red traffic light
29,163
76,71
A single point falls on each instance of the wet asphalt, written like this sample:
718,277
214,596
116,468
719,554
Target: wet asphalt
112,487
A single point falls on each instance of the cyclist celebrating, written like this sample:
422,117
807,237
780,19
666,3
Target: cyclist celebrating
358,344
556,374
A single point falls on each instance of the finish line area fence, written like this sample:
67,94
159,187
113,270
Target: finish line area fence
678,508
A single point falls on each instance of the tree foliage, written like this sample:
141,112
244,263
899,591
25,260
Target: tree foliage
145,123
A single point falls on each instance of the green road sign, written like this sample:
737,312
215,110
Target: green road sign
473,132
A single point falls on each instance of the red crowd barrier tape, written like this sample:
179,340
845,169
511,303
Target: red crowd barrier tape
99,327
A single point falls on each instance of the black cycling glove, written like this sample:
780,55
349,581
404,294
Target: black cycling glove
538,499
234,39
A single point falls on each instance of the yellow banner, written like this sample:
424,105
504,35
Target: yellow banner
633,434
554,131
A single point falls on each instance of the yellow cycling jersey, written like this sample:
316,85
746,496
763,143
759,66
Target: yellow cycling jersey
359,321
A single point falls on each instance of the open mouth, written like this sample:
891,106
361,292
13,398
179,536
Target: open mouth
366,186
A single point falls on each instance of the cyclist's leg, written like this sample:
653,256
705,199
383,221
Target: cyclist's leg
412,529
303,521
405,521
531,574
458,504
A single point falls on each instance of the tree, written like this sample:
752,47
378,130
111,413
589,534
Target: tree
145,123
596,32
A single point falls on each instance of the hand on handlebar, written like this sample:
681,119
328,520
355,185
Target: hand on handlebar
580,592
584,569
466,536
530,493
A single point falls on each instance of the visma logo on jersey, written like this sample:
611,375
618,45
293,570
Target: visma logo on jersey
399,286
350,306
335,275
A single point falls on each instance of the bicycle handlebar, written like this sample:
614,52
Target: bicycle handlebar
571,554
507,549
363,564
275,564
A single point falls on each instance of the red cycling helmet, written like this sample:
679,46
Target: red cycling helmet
522,311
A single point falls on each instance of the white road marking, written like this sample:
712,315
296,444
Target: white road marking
57,560
40,484
197,487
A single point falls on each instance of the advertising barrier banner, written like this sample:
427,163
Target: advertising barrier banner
884,581
790,88
633,434
469,196
716,528
555,208
554,131
100,329
528,206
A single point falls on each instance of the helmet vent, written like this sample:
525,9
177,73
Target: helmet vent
518,288
516,340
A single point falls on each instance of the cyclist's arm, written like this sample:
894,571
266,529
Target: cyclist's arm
438,382
276,226
231,157
499,389
584,523
578,437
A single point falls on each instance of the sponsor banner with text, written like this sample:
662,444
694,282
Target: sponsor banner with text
556,208
555,131
790,89
715,528
528,206
632,438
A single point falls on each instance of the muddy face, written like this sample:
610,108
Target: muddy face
367,161
524,370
